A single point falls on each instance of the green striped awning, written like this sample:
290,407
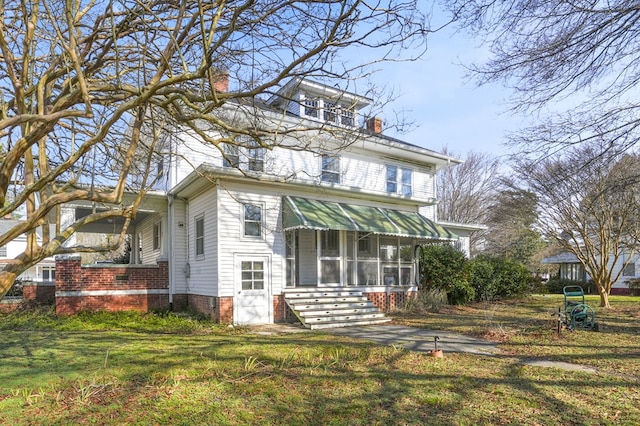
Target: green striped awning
304,213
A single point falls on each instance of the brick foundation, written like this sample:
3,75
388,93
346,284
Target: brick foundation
388,302
218,309
110,287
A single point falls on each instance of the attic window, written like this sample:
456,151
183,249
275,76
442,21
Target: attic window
311,107
330,112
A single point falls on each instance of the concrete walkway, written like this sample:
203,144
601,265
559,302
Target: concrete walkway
417,339
421,340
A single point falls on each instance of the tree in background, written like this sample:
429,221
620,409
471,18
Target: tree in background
512,219
465,192
90,88
590,209
579,60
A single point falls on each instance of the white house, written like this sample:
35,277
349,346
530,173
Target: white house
44,271
326,225
570,268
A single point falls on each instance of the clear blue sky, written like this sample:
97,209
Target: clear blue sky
449,109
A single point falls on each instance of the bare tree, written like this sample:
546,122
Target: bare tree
578,59
591,209
88,89
465,192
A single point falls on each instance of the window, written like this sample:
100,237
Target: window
48,273
200,236
629,270
392,178
231,156
329,112
160,167
3,251
347,117
252,220
255,157
156,235
252,275
310,107
405,184
330,169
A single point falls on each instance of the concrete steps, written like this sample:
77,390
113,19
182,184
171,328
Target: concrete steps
322,308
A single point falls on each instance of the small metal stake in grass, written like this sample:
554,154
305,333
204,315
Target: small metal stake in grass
437,353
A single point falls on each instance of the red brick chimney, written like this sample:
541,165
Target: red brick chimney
222,82
374,125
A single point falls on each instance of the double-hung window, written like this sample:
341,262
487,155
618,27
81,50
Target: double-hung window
399,180
231,156
405,187
199,236
157,233
3,251
252,220
330,169
255,157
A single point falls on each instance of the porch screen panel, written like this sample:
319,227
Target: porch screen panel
389,257
367,255
329,257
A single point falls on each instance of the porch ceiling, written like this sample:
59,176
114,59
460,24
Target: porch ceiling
304,213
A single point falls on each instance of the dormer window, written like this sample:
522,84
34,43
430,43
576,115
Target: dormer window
347,117
330,112
311,107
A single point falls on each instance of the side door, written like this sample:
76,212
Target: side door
252,298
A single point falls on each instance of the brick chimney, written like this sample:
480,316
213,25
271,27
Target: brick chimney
221,81
374,125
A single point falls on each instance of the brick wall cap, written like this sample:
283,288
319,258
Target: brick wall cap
68,257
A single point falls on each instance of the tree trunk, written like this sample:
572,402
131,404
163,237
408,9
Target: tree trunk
604,296
6,282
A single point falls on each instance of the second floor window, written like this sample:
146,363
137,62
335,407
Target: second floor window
255,158
3,251
330,169
399,180
231,156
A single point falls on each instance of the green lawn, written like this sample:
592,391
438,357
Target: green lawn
133,369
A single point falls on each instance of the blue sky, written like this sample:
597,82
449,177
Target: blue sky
449,109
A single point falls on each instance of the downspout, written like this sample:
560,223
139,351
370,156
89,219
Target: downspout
171,226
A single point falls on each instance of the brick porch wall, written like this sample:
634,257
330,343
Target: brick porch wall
281,312
218,309
42,293
110,287
388,302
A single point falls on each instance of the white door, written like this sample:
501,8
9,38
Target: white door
252,301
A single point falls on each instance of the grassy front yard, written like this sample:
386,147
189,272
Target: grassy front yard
127,368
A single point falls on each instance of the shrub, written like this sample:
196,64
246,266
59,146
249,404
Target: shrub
497,278
442,267
555,285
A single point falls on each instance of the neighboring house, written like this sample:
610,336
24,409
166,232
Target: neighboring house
335,220
44,271
571,269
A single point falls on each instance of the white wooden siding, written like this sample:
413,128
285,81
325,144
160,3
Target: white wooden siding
358,168
203,278
179,248
145,228
232,241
